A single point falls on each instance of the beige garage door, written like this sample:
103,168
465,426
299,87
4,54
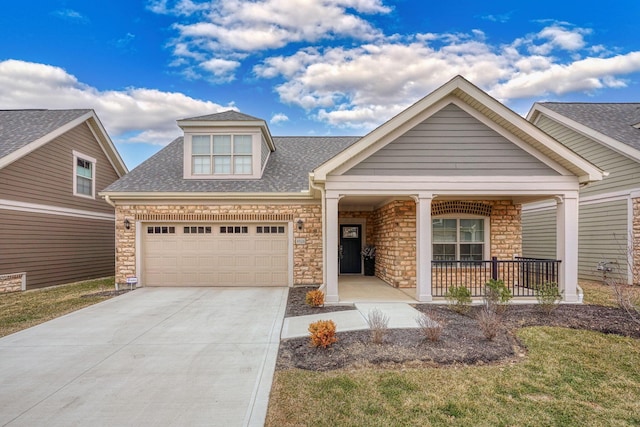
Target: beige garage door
214,254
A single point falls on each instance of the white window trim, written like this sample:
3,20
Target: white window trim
256,158
487,232
77,155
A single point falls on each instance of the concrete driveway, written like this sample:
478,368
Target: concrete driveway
152,357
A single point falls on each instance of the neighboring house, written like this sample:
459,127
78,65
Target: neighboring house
53,225
608,135
437,189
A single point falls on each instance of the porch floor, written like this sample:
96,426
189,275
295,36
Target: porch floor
358,288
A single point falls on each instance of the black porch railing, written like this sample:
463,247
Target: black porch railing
521,275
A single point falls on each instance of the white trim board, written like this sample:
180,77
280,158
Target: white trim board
53,210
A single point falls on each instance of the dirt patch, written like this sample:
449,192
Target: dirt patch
297,307
461,341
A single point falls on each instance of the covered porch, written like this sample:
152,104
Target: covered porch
412,264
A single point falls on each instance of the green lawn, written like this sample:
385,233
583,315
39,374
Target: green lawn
568,378
21,310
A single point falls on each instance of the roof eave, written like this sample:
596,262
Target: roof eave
134,195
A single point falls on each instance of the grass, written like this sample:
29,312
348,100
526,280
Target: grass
596,293
22,310
568,378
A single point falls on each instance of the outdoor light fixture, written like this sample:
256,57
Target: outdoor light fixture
127,224
299,223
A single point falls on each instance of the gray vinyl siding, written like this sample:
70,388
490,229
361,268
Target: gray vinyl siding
55,249
264,148
624,173
603,236
539,233
45,176
451,143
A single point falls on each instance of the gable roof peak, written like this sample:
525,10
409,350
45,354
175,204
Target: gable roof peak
224,116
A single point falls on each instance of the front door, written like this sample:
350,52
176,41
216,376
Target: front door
350,247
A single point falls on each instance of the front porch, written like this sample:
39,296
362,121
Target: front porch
521,276
424,247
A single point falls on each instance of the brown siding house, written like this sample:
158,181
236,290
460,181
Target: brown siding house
54,228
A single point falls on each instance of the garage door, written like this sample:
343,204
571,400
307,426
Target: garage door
215,254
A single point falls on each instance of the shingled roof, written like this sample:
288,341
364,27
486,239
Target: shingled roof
225,116
287,169
21,127
615,120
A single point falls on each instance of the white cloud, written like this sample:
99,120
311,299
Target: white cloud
71,15
365,85
131,115
279,118
236,28
221,69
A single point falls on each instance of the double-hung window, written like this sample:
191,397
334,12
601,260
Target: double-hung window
458,239
222,154
84,169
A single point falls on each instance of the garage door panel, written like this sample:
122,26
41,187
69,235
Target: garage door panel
240,256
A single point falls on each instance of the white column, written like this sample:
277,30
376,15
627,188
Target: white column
331,239
567,246
423,247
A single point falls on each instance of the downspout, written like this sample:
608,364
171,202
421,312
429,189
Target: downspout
108,200
324,229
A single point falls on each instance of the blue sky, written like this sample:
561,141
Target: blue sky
332,67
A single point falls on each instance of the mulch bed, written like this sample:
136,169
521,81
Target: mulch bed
461,342
297,307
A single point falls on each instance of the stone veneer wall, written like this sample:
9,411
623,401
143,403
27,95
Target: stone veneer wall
10,282
636,241
307,258
395,238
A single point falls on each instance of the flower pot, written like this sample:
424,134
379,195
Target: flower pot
369,266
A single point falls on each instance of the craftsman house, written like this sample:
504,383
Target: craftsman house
54,227
437,189
608,135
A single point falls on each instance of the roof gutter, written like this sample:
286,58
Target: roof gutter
113,195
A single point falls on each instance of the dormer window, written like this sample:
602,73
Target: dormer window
228,145
222,154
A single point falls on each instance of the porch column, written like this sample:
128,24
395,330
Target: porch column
567,245
423,247
331,239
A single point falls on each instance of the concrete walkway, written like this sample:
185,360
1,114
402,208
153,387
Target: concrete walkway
152,357
401,315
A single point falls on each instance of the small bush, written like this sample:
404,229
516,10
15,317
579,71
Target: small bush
489,322
459,299
323,333
548,296
314,298
431,329
378,323
496,295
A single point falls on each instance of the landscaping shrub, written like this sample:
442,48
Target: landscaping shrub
548,296
378,323
459,299
489,321
314,298
430,328
496,295
323,333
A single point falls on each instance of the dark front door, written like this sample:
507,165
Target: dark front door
350,247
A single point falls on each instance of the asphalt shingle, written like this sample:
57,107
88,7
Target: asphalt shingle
287,169
615,120
20,127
